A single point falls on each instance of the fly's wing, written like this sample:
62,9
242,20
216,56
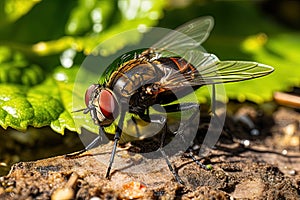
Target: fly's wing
186,42
186,37
232,71
210,70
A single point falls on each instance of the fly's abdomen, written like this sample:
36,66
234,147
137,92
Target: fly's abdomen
181,65
175,70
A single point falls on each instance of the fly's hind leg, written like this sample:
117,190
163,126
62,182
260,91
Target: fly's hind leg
218,122
214,105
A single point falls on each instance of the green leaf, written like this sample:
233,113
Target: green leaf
36,35
64,79
48,103
21,106
281,52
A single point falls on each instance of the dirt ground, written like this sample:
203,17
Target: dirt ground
244,164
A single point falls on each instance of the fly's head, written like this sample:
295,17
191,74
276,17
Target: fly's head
102,105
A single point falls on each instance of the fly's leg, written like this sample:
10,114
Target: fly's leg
177,107
91,145
116,140
96,141
225,128
185,107
213,105
218,120
162,120
153,118
178,179
192,156
136,127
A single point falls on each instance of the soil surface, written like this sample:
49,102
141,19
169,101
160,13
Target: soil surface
257,157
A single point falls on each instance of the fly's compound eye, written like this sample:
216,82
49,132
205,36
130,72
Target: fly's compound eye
88,93
108,104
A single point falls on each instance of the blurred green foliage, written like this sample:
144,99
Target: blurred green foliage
43,43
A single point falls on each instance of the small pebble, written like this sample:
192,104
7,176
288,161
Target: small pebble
254,132
246,143
66,192
3,164
95,198
284,152
133,190
292,172
62,193
290,129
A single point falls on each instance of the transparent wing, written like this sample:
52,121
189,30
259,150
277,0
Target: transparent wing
186,37
185,41
210,70
233,71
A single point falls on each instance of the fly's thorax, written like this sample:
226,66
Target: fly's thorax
134,75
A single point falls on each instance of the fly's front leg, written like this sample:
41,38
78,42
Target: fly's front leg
96,142
116,141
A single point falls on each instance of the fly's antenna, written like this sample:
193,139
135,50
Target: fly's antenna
85,110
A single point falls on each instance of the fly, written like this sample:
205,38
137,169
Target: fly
152,76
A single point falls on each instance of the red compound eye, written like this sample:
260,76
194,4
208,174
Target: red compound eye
108,104
88,93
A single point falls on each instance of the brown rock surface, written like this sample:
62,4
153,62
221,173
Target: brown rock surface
267,169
